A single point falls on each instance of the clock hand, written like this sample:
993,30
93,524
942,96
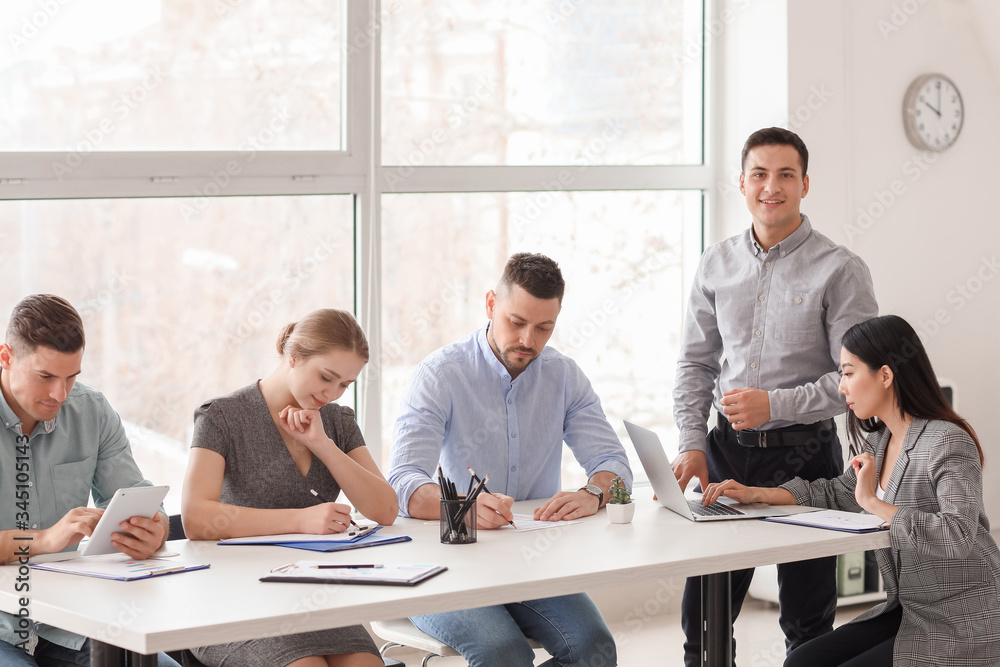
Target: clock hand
932,108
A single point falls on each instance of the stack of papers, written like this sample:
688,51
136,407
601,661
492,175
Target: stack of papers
850,522
119,566
325,572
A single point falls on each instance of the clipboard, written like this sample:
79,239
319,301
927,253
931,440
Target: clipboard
847,522
312,572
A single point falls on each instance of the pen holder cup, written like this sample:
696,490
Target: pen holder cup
458,524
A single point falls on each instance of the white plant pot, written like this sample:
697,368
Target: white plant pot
620,513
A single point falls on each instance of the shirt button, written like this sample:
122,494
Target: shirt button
767,265
513,468
30,483
509,401
753,365
757,332
513,434
782,253
761,297
34,526
798,299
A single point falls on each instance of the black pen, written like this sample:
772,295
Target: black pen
324,500
366,566
485,490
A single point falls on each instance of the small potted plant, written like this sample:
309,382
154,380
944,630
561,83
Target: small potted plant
620,505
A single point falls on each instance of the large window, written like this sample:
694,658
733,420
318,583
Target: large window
178,309
193,175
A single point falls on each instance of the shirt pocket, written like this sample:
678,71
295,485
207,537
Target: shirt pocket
798,316
71,483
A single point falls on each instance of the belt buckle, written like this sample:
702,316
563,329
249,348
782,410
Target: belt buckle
761,439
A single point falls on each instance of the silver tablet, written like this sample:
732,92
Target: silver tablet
125,504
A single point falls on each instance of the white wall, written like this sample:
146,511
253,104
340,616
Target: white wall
942,231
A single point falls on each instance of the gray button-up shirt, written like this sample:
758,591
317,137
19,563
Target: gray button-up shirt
771,320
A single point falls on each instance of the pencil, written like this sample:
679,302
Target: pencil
471,500
324,500
485,490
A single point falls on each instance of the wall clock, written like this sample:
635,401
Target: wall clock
932,112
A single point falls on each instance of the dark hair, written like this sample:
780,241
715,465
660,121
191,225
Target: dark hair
891,341
537,275
47,320
321,331
776,136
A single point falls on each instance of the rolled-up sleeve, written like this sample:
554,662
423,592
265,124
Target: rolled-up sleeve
418,435
588,433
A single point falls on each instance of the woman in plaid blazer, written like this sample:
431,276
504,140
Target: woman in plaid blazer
920,470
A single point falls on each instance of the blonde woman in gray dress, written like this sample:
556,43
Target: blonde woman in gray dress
258,452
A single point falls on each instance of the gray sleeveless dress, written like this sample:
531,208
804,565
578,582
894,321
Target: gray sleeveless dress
260,473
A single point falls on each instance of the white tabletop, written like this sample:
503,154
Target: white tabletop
228,603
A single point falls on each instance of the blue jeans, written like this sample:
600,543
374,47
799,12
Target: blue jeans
48,654
569,627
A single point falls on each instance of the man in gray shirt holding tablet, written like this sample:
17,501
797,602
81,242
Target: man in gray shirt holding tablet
762,345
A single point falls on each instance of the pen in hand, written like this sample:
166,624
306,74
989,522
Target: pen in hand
324,500
485,490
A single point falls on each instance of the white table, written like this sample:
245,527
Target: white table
227,602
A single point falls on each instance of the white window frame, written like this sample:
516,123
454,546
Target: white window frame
357,171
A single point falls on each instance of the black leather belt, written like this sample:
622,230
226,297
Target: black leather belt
786,436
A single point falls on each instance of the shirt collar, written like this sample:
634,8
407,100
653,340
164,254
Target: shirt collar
11,420
491,358
793,241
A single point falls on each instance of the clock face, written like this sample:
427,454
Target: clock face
933,112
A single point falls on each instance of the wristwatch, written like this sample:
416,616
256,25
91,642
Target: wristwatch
594,491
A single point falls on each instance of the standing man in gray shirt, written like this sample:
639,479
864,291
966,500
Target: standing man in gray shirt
762,344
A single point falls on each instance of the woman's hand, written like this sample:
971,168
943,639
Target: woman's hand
305,426
325,519
864,469
734,490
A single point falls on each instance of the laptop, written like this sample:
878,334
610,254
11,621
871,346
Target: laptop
669,492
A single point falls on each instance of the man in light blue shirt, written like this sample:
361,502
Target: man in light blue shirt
60,441
501,402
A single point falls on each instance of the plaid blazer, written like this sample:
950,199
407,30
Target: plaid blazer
942,567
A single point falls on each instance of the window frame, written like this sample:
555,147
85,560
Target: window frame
357,170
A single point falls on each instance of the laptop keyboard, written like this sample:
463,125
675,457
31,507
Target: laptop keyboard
715,509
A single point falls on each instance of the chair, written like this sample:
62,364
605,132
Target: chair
400,632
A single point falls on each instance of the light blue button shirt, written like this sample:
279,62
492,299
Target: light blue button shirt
769,320
83,449
462,409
